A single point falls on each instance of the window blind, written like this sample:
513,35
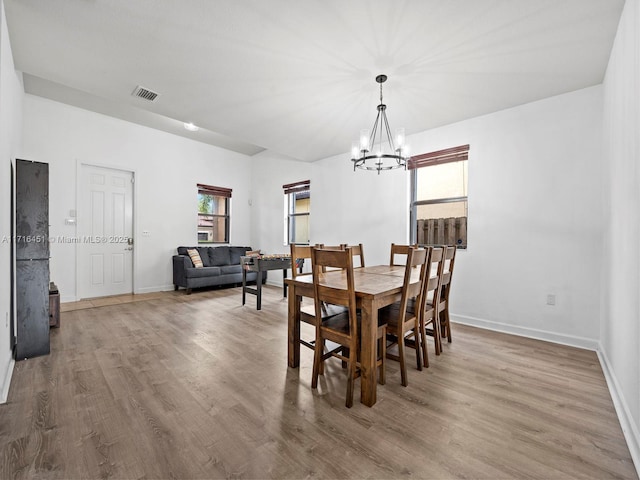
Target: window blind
448,155
295,187
211,190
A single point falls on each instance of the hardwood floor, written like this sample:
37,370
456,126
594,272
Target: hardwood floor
198,387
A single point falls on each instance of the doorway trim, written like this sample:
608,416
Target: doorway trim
134,195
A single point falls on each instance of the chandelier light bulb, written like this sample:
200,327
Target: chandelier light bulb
364,140
355,149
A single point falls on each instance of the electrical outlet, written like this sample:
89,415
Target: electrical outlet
551,299
6,321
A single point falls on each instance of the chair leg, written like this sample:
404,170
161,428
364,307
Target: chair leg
423,343
403,366
324,347
352,373
317,361
382,350
436,334
416,336
448,323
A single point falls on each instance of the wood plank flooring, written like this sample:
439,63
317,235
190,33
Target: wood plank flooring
198,387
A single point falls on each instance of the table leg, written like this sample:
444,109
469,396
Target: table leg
244,284
293,346
368,352
284,284
259,287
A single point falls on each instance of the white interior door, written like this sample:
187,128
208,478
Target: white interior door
105,231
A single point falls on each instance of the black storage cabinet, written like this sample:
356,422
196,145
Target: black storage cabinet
32,259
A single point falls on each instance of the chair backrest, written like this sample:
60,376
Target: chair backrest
356,251
298,254
431,289
330,247
399,250
447,274
341,292
415,274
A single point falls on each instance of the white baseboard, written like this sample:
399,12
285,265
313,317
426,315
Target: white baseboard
4,393
157,288
547,336
629,428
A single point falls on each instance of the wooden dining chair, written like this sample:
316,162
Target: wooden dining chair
399,317
445,290
343,328
399,250
330,247
356,251
308,312
429,301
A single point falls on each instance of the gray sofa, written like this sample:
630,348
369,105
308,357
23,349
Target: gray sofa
221,266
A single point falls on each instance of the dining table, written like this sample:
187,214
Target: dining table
375,287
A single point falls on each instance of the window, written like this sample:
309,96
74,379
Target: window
297,202
439,197
213,214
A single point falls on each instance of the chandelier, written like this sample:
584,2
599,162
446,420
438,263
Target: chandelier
376,149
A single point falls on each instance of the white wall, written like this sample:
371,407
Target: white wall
620,330
534,215
270,171
11,94
167,168
359,207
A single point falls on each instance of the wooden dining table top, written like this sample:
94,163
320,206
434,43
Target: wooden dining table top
367,280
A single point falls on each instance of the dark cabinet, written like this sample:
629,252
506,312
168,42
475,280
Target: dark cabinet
32,258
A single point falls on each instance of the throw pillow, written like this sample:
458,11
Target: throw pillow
204,256
195,257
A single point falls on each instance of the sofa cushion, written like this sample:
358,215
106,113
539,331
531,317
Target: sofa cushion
236,252
195,258
227,269
202,272
219,256
183,250
204,255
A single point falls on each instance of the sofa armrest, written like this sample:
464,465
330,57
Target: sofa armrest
180,265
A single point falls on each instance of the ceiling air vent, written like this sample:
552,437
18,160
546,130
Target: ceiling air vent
145,93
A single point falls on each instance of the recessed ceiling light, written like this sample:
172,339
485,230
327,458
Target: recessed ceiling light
191,127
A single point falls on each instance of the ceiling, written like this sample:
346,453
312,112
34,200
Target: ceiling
298,76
